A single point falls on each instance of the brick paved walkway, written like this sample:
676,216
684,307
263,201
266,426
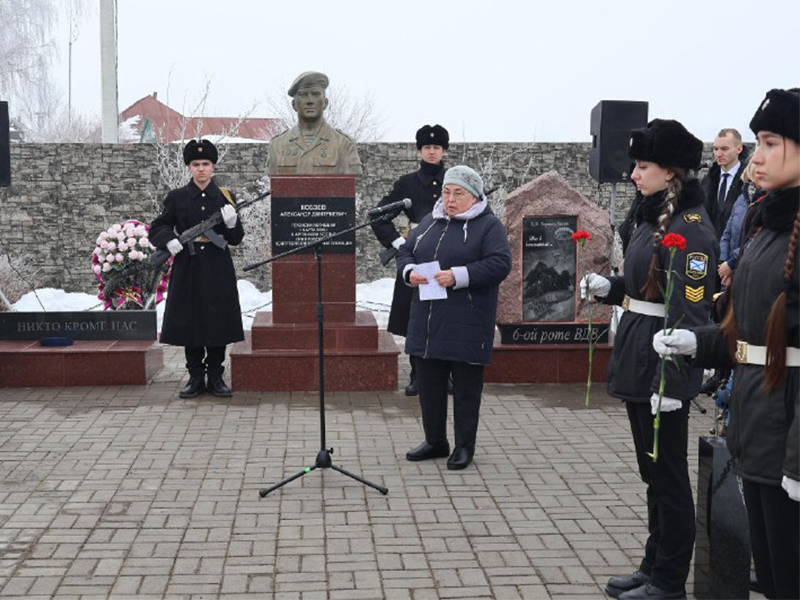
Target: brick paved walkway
134,493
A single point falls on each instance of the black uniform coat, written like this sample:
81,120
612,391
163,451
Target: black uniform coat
710,185
203,302
423,187
764,433
460,328
633,371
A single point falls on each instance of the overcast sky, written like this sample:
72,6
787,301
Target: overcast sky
496,70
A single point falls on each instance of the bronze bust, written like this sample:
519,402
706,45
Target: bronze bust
312,147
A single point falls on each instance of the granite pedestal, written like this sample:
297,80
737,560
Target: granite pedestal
85,363
281,351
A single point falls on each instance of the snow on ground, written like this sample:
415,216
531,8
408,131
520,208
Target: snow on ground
375,296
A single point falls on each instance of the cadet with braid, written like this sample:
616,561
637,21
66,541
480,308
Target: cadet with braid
668,201
760,339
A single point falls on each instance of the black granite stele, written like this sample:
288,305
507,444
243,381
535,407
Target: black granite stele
542,334
300,221
722,543
78,325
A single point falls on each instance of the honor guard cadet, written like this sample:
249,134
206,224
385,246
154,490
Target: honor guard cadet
202,312
312,147
423,187
669,201
760,340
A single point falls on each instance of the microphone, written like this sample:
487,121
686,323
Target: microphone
388,208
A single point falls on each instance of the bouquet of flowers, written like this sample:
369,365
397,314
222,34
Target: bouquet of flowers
119,262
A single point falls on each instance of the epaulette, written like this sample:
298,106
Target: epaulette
227,194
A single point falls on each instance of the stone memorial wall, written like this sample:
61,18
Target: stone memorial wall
63,195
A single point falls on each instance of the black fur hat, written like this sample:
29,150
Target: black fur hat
200,150
779,113
433,134
666,143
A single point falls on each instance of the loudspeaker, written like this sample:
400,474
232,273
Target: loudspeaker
611,124
5,146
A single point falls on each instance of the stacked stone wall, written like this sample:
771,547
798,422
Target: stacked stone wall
63,195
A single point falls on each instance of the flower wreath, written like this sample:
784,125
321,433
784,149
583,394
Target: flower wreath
125,247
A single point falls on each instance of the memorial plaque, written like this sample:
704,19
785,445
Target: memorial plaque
537,334
297,222
79,325
548,268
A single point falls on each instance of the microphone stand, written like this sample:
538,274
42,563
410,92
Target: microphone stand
323,460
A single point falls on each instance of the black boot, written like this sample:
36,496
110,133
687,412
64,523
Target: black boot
194,387
625,583
460,458
427,451
218,388
648,591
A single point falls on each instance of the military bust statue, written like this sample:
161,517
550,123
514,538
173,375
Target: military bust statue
312,147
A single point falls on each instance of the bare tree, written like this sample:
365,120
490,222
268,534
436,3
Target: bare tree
27,50
172,172
358,117
26,47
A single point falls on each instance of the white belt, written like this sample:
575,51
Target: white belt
651,309
757,355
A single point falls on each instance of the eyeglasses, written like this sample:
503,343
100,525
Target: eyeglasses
456,195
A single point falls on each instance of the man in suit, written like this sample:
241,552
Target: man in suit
723,183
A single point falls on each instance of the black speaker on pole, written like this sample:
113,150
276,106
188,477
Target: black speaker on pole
5,146
611,124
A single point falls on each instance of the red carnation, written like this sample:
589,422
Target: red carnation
581,235
674,240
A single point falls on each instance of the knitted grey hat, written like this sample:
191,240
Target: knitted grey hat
465,177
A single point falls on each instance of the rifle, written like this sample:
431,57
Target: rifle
206,228
157,259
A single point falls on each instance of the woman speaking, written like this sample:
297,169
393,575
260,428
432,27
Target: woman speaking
454,334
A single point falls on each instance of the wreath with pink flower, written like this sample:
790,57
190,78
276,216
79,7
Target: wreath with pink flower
120,261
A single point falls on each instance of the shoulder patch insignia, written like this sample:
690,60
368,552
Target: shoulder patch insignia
695,294
696,265
693,218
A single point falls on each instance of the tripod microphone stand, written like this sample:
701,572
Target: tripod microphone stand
323,460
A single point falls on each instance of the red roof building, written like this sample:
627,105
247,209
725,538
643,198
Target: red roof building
157,121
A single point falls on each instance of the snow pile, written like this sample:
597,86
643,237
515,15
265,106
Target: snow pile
375,296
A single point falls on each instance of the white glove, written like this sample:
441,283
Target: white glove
174,246
667,404
229,216
792,488
680,341
594,285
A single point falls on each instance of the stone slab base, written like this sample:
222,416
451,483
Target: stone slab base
268,335
346,369
547,364
85,363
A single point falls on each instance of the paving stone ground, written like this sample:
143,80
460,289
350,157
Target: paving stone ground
131,492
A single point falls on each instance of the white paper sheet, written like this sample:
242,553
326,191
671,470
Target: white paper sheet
431,290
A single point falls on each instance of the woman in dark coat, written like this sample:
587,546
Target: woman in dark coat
760,339
202,312
423,187
669,201
454,335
